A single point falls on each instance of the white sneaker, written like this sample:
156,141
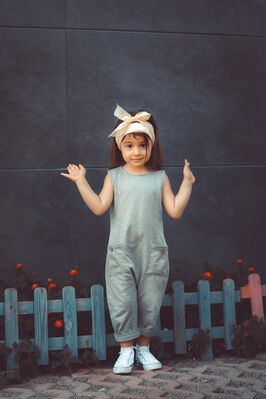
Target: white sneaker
146,359
125,361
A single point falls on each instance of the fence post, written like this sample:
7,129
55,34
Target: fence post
256,295
229,311
179,317
98,321
70,319
205,315
41,324
11,325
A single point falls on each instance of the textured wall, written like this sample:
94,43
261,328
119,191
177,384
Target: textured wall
198,67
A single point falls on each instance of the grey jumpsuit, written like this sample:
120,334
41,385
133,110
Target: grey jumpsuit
137,263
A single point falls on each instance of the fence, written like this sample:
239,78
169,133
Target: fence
99,340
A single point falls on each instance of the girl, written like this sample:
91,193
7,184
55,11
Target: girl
137,263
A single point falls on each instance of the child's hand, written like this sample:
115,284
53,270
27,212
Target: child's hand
188,175
75,173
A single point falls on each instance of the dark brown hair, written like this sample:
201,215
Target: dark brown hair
156,158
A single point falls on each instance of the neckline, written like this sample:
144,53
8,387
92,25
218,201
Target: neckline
134,174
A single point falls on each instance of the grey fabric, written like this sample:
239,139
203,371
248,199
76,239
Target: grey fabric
137,263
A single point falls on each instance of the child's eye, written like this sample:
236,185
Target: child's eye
141,145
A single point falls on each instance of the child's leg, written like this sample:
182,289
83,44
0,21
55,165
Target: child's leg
121,293
122,303
143,341
151,289
126,344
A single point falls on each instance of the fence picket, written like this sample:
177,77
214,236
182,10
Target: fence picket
70,319
205,315
98,321
41,324
179,317
11,325
229,311
256,295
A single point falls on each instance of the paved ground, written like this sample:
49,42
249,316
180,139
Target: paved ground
223,378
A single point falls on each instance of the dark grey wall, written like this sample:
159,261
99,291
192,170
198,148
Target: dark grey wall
197,66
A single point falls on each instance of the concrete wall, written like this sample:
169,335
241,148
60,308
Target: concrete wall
198,67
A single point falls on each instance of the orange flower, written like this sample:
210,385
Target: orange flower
239,262
207,275
59,323
73,272
251,269
19,266
34,285
52,286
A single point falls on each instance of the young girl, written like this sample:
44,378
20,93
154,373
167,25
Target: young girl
137,263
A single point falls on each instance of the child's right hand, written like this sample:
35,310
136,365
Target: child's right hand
75,173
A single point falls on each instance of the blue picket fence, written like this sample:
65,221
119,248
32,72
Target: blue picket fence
99,340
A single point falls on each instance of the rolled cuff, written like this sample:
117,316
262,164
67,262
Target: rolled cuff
127,336
148,332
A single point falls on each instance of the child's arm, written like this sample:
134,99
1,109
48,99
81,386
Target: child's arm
176,205
98,203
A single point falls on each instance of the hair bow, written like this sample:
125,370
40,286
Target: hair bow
131,124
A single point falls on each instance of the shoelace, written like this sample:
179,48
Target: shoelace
126,352
144,351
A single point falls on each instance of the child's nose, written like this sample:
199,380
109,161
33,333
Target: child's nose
136,150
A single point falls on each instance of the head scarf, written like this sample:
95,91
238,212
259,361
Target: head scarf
132,124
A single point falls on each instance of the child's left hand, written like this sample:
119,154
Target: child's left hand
188,175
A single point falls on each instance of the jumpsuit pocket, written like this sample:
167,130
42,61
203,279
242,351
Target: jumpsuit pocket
116,258
159,260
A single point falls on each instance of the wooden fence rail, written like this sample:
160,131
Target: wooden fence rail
99,340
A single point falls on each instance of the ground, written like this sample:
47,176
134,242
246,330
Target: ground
223,378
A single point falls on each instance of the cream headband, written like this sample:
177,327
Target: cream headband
131,124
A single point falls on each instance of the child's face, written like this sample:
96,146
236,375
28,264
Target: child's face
134,150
